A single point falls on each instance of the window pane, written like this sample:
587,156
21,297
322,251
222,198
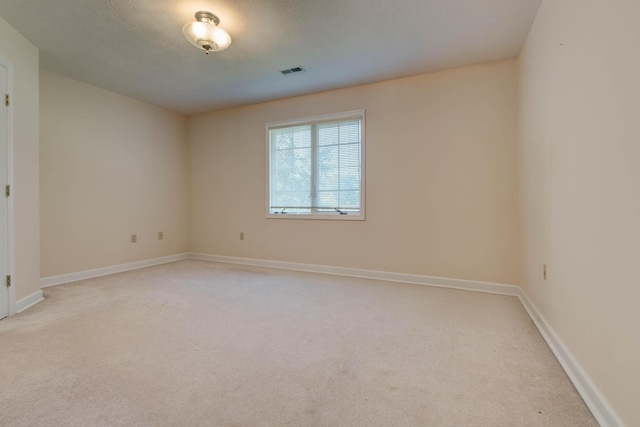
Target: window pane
350,131
328,199
282,138
328,133
302,137
339,164
285,138
290,179
350,179
328,168
350,156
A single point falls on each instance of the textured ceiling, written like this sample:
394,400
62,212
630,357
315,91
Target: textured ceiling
136,47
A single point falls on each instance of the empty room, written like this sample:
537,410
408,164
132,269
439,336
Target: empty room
319,213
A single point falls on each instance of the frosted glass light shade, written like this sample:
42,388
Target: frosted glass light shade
206,35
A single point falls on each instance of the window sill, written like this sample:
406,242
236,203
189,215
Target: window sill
329,217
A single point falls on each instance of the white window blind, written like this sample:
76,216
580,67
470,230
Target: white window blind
316,168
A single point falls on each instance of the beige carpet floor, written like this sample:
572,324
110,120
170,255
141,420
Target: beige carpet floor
196,343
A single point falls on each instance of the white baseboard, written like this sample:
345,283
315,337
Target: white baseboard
444,282
28,301
597,403
104,271
601,409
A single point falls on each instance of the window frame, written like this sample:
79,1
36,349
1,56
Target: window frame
326,118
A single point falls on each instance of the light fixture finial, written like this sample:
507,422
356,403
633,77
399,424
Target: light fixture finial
204,16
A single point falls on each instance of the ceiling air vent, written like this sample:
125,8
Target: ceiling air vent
292,70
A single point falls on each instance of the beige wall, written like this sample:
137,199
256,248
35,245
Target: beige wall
580,163
111,166
24,58
441,195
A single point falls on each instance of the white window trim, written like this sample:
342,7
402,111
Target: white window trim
312,120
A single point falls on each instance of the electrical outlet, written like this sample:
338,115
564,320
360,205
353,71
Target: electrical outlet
134,238
544,271
242,235
160,235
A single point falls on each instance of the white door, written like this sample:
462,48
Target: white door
4,202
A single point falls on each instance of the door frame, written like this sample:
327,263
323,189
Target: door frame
10,214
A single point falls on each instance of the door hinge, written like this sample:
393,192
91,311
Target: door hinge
7,100
7,190
8,281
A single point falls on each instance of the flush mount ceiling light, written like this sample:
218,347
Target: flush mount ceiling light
205,33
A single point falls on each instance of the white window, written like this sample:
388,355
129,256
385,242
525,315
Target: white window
316,167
